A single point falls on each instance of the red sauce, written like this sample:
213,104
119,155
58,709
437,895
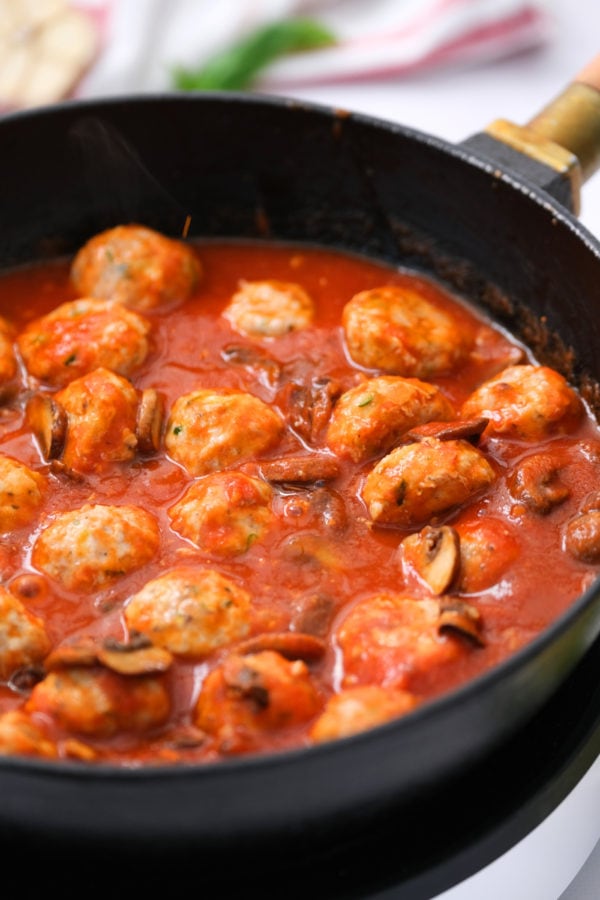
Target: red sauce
536,579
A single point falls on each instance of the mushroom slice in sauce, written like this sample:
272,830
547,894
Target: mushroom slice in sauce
292,645
309,407
462,618
536,483
268,368
48,422
300,469
434,553
150,417
78,653
136,657
463,429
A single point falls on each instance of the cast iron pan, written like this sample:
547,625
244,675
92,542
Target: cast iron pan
265,168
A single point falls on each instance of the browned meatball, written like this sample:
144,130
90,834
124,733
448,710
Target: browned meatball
80,336
97,702
390,639
370,418
209,430
416,482
526,402
269,308
357,709
20,735
136,266
488,547
224,513
23,638
91,547
21,493
101,413
248,696
395,329
190,611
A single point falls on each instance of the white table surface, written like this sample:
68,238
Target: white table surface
452,105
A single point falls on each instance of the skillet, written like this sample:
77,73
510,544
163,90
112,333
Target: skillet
494,219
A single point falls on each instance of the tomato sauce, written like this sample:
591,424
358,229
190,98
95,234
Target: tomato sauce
299,569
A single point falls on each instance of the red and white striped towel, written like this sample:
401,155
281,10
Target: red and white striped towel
139,42
388,38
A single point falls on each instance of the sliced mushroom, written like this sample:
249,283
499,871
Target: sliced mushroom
80,653
141,658
582,536
292,645
434,554
464,429
25,678
321,507
314,615
536,483
309,408
462,618
136,657
301,469
325,391
48,422
251,358
150,416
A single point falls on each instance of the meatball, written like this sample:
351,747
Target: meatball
253,695
21,494
95,701
224,513
101,413
416,482
20,735
80,336
269,308
8,360
395,329
209,430
138,267
392,639
526,402
23,638
357,709
190,611
91,547
487,549
370,418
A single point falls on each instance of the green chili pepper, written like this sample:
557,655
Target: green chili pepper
236,67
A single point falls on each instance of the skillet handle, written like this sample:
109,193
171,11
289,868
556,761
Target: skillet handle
559,148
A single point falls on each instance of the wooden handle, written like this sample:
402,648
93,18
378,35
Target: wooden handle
572,120
590,74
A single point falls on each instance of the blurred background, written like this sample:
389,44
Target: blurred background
446,67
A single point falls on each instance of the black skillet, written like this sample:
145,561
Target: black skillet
484,217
